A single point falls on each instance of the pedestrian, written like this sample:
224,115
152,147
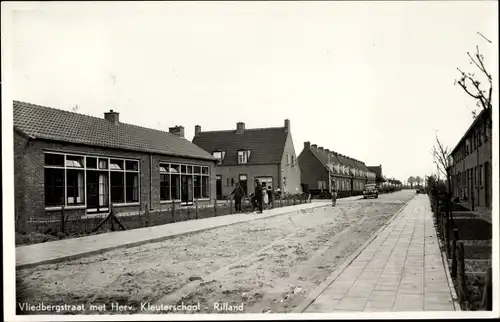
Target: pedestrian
334,196
258,195
265,198
238,193
270,197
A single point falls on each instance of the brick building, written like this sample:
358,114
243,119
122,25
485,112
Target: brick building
471,178
245,154
347,174
379,178
84,164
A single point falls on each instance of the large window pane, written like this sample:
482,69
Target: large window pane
75,192
54,159
164,187
103,163
197,187
54,187
91,163
204,170
117,187
204,187
176,186
132,187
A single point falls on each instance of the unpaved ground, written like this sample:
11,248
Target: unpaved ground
268,265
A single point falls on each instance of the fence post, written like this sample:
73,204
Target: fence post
487,302
454,253
215,208
461,273
447,238
173,210
62,219
196,208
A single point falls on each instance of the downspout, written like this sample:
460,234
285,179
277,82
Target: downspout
150,181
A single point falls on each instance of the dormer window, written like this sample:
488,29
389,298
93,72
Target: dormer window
219,155
243,156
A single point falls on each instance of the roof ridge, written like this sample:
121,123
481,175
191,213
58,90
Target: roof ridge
251,129
92,117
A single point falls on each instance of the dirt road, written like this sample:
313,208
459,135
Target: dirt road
265,265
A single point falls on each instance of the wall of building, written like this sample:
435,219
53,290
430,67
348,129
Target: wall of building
466,169
290,171
30,184
311,170
230,175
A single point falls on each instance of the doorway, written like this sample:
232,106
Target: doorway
186,190
218,187
244,182
97,191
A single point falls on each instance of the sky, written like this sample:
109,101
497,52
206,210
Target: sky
371,80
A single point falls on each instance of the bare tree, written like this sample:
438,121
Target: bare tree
472,84
418,180
443,161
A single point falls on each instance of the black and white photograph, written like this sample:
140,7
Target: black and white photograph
215,160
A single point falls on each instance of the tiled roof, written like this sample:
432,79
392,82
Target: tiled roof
266,145
336,158
40,122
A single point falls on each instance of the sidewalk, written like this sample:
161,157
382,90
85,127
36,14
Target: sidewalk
61,250
400,270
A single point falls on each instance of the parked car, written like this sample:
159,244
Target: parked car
371,190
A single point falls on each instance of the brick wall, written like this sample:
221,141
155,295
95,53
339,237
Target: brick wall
231,174
29,177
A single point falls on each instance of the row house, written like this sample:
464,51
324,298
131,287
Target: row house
318,165
246,154
471,175
85,164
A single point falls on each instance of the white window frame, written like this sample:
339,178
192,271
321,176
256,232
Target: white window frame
245,154
167,165
84,168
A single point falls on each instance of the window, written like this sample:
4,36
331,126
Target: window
54,186
219,155
171,176
243,156
75,193
131,187
68,179
292,160
117,187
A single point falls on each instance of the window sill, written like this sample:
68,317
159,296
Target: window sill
59,208
169,201
126,204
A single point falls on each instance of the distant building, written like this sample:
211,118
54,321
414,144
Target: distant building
471,163
85,164
245,154
378,173
347,174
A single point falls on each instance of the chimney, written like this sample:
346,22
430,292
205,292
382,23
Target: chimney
307,145
327,150
314,146
112,116
177,130
240,128
197,129
287,125
320,148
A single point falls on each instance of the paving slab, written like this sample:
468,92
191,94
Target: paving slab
67,249
400,270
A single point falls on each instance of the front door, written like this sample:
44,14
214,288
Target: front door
186,190
218,187
243,182
97,191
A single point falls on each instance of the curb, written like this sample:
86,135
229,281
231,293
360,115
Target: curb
311,297
444,259
146,241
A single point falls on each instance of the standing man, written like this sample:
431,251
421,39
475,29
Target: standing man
334,195
238,193
258,195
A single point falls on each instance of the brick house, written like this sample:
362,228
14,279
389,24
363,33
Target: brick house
377,169
471,178
84,164
245,154
348,175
